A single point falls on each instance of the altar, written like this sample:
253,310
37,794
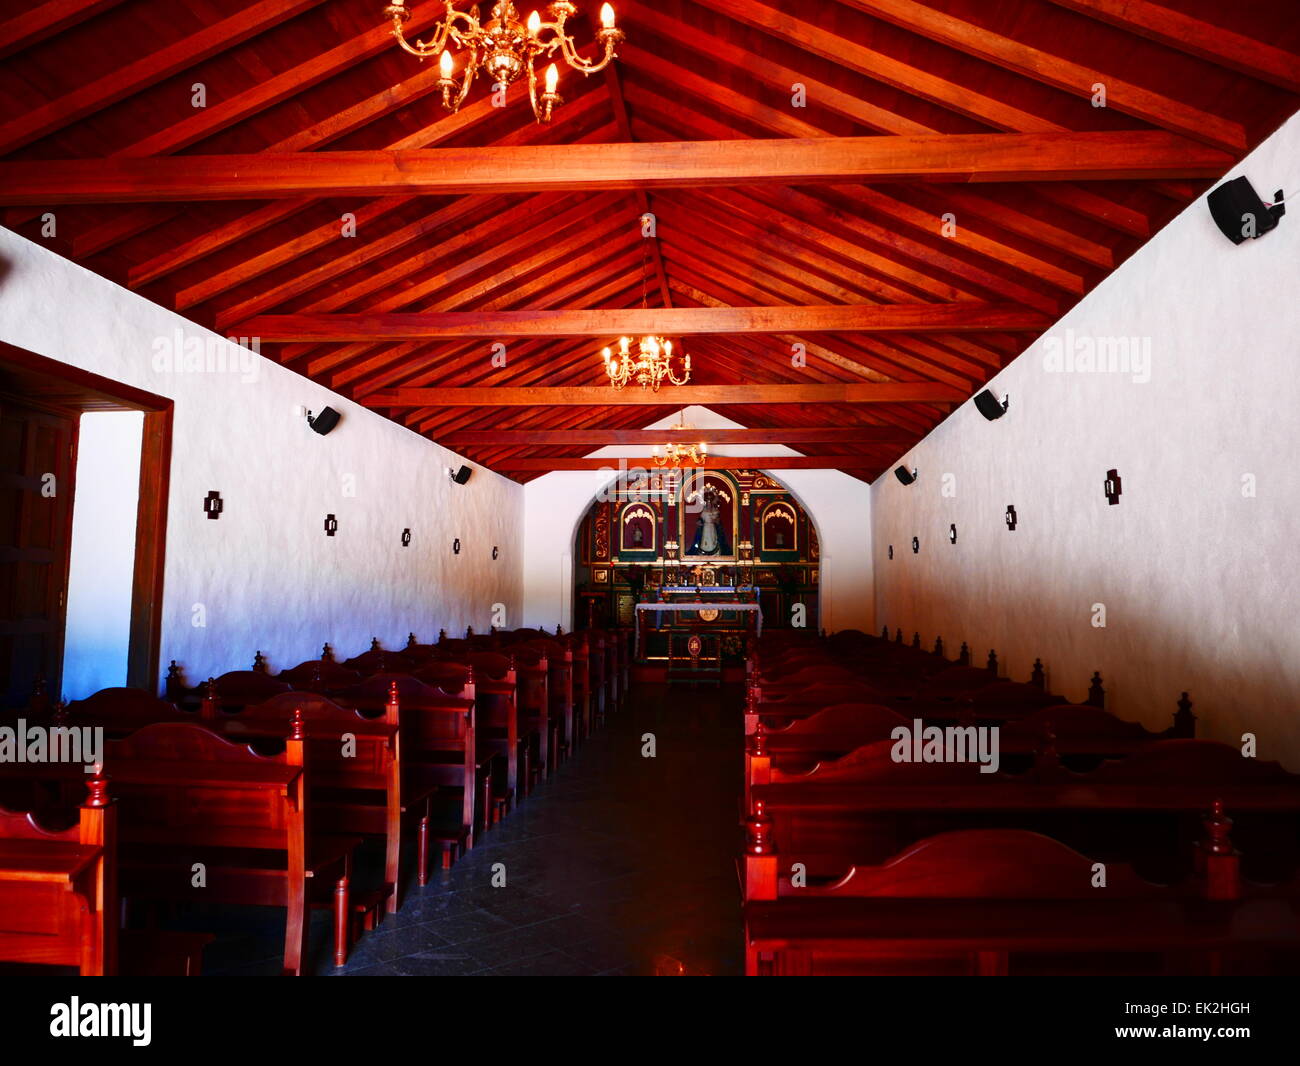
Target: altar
714,612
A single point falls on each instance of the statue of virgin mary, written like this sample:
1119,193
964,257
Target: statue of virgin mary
710,537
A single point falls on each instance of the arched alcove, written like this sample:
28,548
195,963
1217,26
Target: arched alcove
726,536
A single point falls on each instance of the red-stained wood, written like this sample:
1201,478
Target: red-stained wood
39,21
1058,72
126,81
672,321
706,395
1196,37
992,157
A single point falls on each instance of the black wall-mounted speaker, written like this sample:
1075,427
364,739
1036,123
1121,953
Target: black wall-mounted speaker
904,475
325,421
1231,204
988,405
462,475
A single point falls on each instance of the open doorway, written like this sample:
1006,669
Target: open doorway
82,580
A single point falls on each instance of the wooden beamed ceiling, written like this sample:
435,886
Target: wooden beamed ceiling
863,208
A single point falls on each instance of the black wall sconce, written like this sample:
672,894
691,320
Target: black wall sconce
406,538
987,404
952,533
213,505
331,525
1113,486
323,422
495,552
916,545
904,475
1011,518
891,551
455,546
1235,202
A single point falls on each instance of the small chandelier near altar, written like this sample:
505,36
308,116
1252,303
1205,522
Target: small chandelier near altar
679,455
506,48
652,364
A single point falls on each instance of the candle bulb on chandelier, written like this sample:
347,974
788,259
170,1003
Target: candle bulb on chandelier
534,24
607,16
444,64
552,79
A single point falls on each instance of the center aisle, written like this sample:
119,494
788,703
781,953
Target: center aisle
619,865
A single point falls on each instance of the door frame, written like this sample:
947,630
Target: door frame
66,389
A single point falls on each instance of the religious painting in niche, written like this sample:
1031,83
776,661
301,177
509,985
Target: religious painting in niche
600,530
779,531
637,527
708,517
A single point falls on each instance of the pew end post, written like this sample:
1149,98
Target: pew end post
98,828
1218,861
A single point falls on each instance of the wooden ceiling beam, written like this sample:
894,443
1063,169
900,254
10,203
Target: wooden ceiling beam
600,438
683,396
39,21
584,285
867,360
824,224
397,365
158,64
882,67
1195,37
973,157
713,462
1060,73
672,321
444,128
615,85
981,206
714,50
575,211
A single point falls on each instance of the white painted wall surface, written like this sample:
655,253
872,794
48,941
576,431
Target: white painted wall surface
1201,584
265,574
840,505
102,562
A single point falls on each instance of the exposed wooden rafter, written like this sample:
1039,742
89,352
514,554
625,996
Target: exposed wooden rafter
704,395
976,157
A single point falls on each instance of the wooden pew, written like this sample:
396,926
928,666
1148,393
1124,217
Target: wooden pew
123,710
559,690
533,673
318,675
987,901
496,699
355,788
58,892
1140,804
186,795
440,750
583,693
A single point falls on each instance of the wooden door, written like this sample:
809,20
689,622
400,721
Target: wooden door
37,457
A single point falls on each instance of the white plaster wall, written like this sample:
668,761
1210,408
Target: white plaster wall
265,576
98,630
1200,582
840,505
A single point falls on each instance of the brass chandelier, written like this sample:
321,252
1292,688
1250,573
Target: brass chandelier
505,48
680,455
650,367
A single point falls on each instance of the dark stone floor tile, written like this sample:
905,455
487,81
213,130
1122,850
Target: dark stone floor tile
617,865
